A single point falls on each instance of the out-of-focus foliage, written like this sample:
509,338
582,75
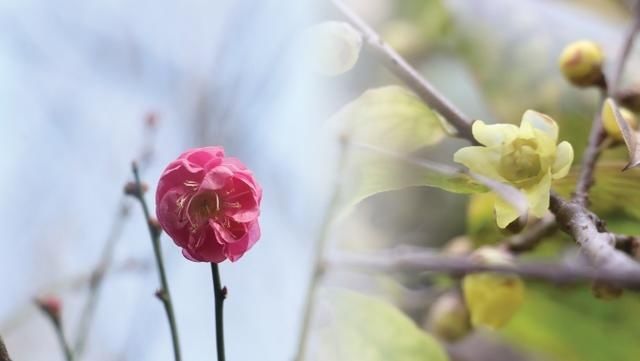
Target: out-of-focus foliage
569,324
369,173
332,47
395,120
390,117
367,329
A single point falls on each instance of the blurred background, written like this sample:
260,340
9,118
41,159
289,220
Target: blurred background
87,87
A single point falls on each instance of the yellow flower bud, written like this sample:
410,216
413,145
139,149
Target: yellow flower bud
448,317
492,298
581,63
611,126
524,157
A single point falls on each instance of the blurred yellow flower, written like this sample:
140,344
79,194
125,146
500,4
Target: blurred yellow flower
525,157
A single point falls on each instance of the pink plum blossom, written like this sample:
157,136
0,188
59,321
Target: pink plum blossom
209,205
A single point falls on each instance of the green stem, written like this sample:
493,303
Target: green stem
219,293
163,294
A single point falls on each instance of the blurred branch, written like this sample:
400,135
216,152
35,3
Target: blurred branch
50,307
4,355
77,282
426,260
155,232
403,70
115,233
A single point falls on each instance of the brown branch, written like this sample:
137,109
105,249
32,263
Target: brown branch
434,262
531,237
4,354
407,73
588,231
589,159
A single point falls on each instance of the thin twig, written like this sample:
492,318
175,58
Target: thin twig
219,293
433,262
53,315
319,253
589,159
4,354
403,70
163,293
531,237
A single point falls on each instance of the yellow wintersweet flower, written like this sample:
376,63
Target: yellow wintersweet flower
524,157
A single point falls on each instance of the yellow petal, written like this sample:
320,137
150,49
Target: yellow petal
492,135
480,160
538,196
542,122
505,212
564,158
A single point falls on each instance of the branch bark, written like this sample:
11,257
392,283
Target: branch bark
416,261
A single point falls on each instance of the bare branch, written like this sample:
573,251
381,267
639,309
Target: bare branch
434,262
588,231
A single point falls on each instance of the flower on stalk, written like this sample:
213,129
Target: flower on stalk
524,157
209,205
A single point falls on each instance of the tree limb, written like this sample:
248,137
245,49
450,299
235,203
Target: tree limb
415,261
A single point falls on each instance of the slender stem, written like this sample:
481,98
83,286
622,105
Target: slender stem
163,293
589,159
219,293
4,355
68,354
318,261
54,318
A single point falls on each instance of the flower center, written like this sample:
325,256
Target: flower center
520,162
202,207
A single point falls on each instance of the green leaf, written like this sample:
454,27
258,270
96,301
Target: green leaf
392,118
363,328
369,173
